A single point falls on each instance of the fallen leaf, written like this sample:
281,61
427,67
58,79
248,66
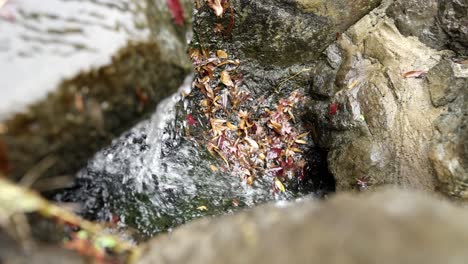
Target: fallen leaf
252,143
177,11
414,74
296,150
214,168
79,103
202,208
302,135
231,126
235,202
333,109
221,54
190,120
464,62
353,84
279,185
300,141
226,79
216,6
250,180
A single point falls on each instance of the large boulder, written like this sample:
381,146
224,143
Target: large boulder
375,108
84,76
389,226
448,83
439,24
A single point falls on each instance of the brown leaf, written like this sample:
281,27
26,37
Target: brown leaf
221,54
218,28
79,103
414,74
216,6
226,79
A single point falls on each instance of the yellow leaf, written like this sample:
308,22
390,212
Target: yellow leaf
221,155
250,180
353,84
214,168
252,143
296,150
300,141
231,126
280,185
226,79
302,135
221,54
275,124
202,208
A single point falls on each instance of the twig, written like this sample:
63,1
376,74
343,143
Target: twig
277,88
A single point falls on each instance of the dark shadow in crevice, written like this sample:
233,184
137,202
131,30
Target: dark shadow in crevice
317,177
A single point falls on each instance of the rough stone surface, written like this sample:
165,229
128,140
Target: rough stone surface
439,24
449,151
104,68
279,32
383,126
388,226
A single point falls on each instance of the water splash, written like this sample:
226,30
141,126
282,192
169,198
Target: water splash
154,179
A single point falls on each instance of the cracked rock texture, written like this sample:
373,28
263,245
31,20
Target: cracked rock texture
388,128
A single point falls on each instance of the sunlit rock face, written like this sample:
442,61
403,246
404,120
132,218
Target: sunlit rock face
78,73
383,97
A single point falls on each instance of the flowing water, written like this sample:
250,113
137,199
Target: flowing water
152,178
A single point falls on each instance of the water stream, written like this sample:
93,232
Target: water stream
152,178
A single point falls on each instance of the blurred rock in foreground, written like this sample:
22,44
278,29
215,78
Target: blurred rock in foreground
390,226
103,65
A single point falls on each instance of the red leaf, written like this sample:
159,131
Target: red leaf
333,108
177,11
415,74
190,120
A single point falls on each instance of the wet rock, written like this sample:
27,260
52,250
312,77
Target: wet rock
277,43
275,39
170,181
386,227
102,69
439,24
381,126
449,152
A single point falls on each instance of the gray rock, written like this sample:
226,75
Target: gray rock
383,126
439,24
449,150
454,20
281,32
444,86
388,226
